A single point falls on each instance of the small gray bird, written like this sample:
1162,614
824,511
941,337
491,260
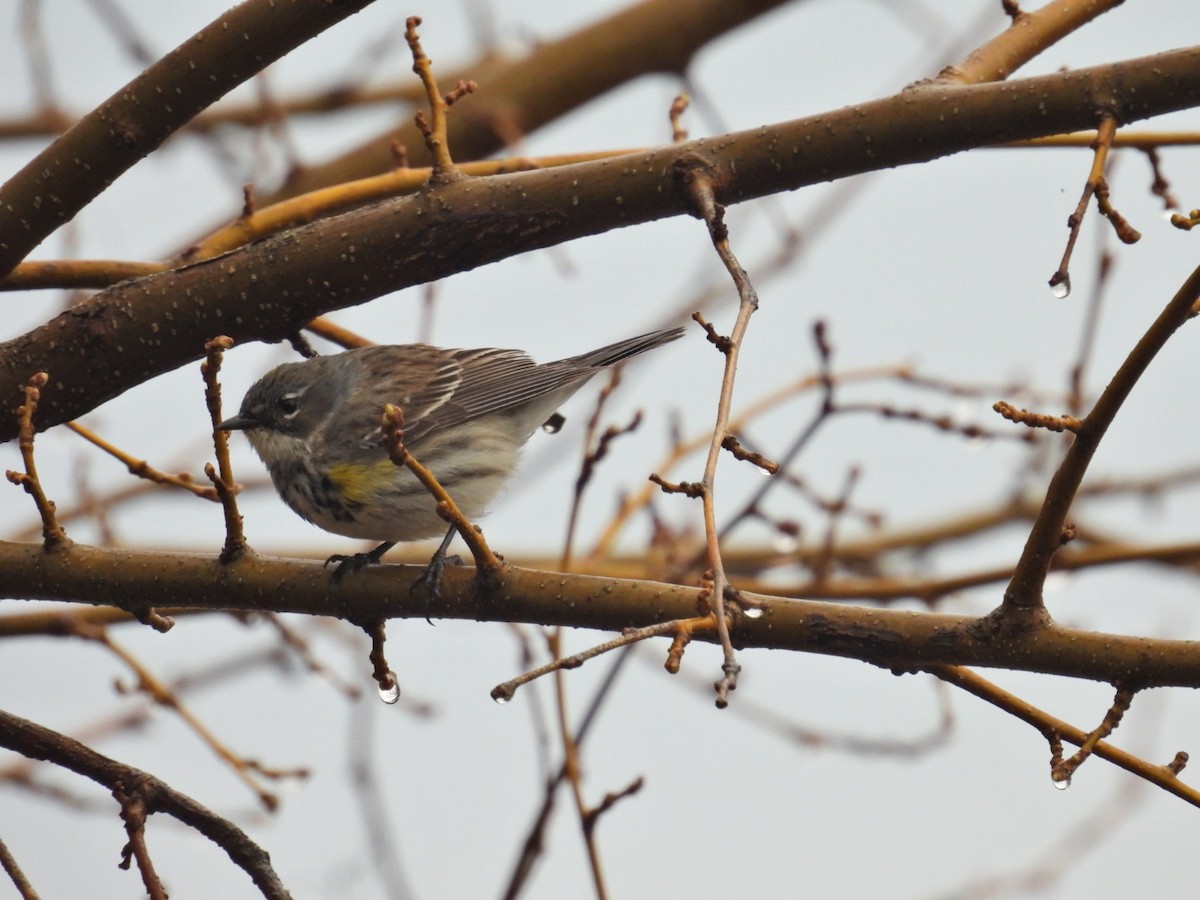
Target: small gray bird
316,425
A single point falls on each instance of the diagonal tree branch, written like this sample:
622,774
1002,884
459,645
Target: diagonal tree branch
1024,591
36,742
267,291
96,150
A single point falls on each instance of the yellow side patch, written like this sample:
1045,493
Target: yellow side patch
360,483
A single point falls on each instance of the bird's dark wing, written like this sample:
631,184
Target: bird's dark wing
435,388
497,380
438,389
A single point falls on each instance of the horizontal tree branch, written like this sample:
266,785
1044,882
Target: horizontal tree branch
268,290
895,639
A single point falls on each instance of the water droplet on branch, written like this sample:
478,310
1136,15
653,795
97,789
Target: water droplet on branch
390,693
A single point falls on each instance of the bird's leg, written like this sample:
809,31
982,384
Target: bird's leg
430,581
356,561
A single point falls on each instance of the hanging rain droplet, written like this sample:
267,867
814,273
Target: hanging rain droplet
1060,287
502,694
1060,785
391,693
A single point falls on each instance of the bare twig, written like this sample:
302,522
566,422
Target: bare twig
235,538
339,198
1061,770
823,564
143,469
532,846
434,132
134,814
1165,777
1188,222
162,694
1037,420
1024,592
53,535
1159,186
75,273
679,106
682,449
20,882
486,562
734,446
1087,338
696,179
502,693
595,449
1060,281
609,801
302,649
389,686
331,331
572,771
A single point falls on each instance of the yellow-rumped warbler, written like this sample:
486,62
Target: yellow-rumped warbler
316,425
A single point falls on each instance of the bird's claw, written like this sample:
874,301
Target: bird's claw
430,580
355,561
348,563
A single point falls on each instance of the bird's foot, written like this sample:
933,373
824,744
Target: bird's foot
355,561
430,580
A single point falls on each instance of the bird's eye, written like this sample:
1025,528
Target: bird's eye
289,405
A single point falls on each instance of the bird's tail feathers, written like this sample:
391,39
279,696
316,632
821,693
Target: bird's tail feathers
622,350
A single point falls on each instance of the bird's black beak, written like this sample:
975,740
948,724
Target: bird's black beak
239,422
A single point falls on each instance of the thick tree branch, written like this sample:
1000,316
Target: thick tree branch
96,150
36,742
266,291
895,639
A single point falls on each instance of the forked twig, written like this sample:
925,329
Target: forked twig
434,128
504,692
1024,591
53,534
222,476
697,182
1060,281
143,469
1164,776
1061,769
163,695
